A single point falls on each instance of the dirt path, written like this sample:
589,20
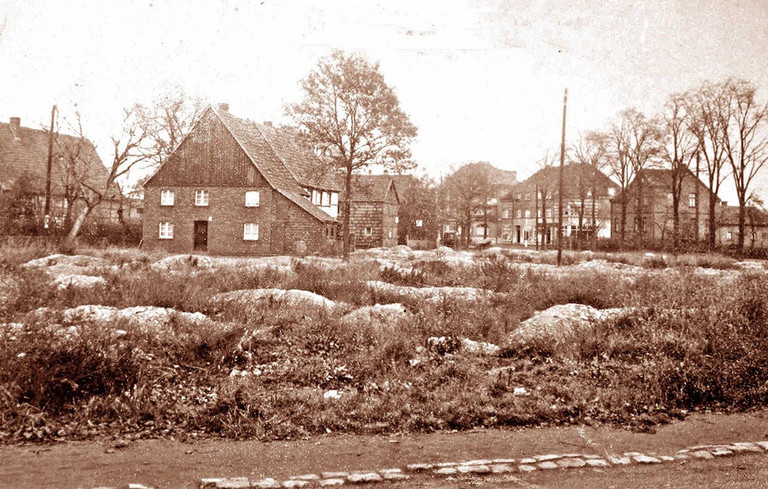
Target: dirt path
167,464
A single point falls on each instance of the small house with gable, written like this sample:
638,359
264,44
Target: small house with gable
234,186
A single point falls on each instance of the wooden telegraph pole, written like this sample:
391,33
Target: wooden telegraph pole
47,212
560,186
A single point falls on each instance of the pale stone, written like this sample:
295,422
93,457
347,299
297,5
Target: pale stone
569,463
549,456
474,469
502,468
390,471
548,465
762,444
632,454
503,460
294,483
64,282
645,459
619,460
597,462
721,452
702,454
307,477
744,447
394,476
590,455
363,477
233,483
477,462
210,482
418,467
331,482
526,468
334,475
666,458
447,464
266,484
447,471
528,461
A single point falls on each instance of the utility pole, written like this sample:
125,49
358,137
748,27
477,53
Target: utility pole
560,186
47,212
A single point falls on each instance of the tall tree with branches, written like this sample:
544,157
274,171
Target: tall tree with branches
467,190
678,150
743,122
86,170
354,120
618,141
591,152
703,123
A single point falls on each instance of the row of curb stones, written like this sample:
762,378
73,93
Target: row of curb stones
480,467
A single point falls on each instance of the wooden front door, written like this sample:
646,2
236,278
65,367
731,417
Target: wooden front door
201,235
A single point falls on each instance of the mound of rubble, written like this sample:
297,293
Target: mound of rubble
558,325
378,316
66,260
78,281
259,298
429,294
138,318
181,262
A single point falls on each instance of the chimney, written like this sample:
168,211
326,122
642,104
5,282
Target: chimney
268,123
223,107
15,127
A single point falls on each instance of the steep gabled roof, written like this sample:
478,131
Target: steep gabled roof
272,162
369,188
572,174
25,153
659,178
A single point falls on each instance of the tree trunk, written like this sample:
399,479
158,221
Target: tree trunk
543,221
742,222
594,215
676,219
639,215
697,199
78,224
712,223
347,211
536,216
623,223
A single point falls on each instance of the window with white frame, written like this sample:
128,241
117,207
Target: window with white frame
729,236
611,192
250,231
166,197
692,200
165,230
518,213
397,219
505,214
252,198
527,213
549,212
419,223
326,199
367,231
201,198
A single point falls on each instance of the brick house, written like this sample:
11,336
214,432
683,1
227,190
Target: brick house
23,175
755,227
233,186
375,206
656,219
524,218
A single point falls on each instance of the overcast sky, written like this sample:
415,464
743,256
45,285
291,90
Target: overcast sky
482,80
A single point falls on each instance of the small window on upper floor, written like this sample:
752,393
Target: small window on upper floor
166,197
518,213
527,213
252,198
201,198
692,200
397,219
367,231
611,192
419,223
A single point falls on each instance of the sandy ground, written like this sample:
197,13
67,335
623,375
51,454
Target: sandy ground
169,464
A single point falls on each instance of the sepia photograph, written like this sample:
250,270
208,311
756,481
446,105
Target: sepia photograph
400,244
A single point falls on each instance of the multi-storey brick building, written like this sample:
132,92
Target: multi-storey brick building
233,186
374,216
527,218
655,221
755,227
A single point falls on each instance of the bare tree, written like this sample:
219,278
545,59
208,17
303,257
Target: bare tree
679,149
743,122
590,150
354,119
617,142
167,120
93,181
703,122
467,191
545,182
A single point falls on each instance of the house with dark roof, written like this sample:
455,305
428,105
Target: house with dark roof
755,229
234,186
23,170
531,208
655,219
374,211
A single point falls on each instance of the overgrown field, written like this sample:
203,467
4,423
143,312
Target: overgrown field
667,335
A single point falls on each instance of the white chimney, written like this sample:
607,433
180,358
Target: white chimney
223,107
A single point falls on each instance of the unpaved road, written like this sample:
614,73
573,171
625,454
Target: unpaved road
168,464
